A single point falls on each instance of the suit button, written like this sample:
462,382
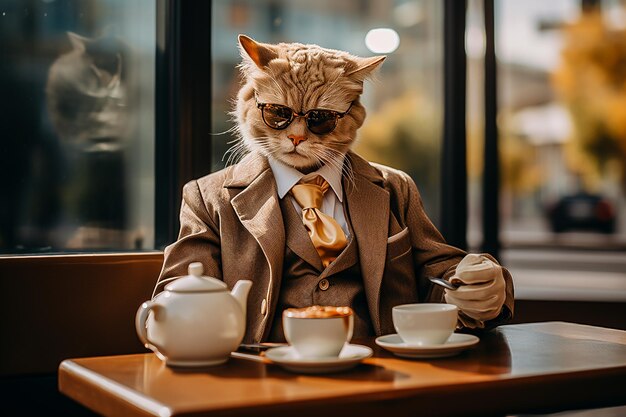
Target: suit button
323,284
263,307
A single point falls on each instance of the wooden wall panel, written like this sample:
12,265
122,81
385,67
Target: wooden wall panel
58,307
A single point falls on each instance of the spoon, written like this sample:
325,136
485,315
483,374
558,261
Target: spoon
444,283
259,347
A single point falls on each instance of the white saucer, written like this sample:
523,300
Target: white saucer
457,343
287,357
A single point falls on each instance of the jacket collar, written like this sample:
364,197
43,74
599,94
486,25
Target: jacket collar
245,172
365,169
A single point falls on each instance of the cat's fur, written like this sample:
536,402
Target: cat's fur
302,77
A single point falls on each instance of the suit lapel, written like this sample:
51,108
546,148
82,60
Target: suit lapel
368,206
258,209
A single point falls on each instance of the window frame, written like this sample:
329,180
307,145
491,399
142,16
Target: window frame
183,100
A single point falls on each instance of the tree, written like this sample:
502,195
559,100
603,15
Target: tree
591,81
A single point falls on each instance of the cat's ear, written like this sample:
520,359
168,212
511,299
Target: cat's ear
259,53
361,68
78,42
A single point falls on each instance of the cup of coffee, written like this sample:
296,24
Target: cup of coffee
424,324
318,331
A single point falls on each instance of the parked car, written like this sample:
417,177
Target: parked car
582,211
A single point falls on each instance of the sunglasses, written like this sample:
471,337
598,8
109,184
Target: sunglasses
318,121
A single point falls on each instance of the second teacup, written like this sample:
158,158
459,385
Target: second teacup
425,324
318,331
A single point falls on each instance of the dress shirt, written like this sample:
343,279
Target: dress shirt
286,177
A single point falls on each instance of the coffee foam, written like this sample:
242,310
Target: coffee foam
318,312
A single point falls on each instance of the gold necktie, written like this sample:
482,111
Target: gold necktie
326,234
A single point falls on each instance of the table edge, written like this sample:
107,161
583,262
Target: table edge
69,371
147,406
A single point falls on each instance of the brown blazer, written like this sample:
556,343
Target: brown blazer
231,222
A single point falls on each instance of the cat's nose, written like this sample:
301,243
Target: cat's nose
296,139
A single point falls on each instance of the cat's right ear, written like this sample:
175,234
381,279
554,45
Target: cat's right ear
77,41
259,53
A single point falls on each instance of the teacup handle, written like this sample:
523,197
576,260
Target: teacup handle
350,328
140,322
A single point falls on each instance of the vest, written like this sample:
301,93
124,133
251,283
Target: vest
306,282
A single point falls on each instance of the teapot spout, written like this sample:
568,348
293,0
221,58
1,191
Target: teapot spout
240,292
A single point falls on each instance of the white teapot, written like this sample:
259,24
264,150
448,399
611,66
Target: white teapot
196,321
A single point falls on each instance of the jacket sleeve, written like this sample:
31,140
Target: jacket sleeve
433,257
198,240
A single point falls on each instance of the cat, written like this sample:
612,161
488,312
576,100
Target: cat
302,77
86,92
299,109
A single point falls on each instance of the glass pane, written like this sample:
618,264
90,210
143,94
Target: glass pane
403,127
561,119
77,106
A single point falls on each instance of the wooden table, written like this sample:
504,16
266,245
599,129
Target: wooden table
518,368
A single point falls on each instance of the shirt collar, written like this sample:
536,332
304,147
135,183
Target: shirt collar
286,177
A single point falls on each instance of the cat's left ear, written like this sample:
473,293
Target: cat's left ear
78,42
363,67
260,53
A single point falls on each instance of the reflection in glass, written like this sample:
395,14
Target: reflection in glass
561,78
77,121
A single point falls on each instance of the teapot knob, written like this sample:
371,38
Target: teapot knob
196,269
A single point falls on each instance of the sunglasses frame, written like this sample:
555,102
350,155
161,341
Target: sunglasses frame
295,114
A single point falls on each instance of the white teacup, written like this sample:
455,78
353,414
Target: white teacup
425,324
318,331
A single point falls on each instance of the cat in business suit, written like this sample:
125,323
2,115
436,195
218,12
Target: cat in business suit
297,115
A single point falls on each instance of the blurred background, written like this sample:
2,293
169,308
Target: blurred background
77,148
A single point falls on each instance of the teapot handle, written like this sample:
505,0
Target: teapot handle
140,321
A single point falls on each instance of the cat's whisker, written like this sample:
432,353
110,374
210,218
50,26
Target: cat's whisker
260,145
337,160
327,158
331,161
233,156
233,129
236,152
334,157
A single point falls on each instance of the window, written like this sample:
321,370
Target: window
560,67
78,137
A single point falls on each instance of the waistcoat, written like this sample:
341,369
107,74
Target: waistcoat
306,282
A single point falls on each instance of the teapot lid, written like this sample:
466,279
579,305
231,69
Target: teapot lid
196,282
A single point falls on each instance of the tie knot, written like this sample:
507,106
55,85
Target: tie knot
310,194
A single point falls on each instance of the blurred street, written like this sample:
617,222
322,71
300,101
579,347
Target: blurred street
573,275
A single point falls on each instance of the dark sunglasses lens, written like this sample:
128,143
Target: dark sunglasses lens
276,116
321,121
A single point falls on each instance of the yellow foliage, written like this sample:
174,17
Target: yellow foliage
405,134
591,81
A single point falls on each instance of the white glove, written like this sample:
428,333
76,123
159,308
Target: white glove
483,289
